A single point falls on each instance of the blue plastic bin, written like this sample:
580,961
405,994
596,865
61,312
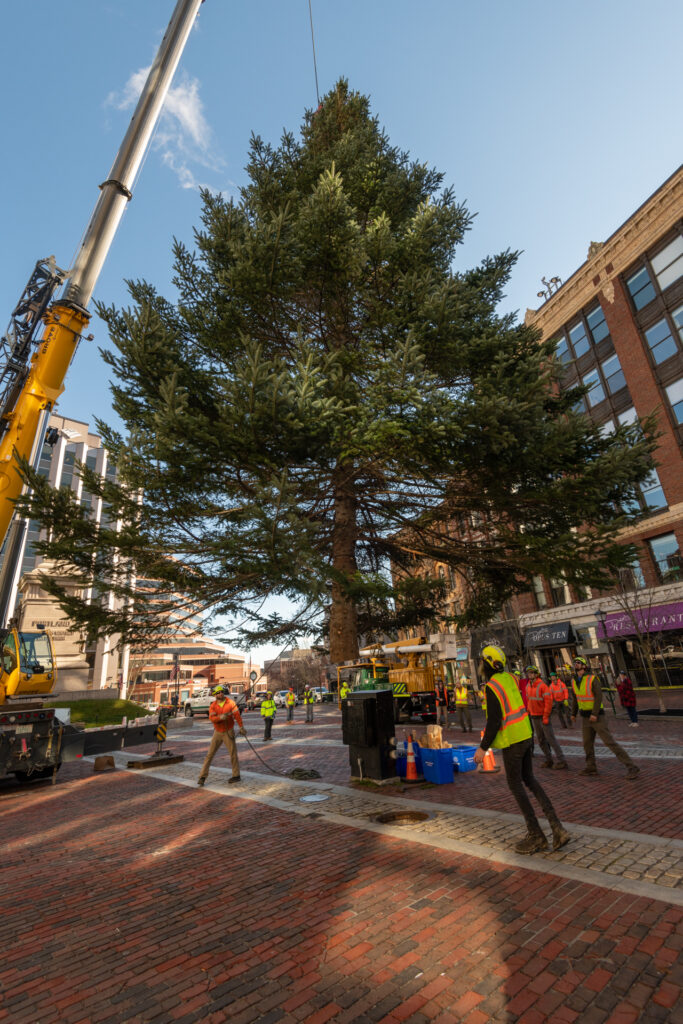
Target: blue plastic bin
402,758
463,757
437,766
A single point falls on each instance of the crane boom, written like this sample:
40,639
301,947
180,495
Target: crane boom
32,377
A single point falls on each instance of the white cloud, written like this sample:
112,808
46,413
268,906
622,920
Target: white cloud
183,135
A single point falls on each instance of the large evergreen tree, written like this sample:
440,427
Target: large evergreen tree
325,399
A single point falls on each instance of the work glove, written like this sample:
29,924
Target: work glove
243,732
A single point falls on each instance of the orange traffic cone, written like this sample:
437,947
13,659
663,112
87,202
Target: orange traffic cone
411,764
489,764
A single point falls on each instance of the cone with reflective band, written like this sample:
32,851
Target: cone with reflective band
489,764
411,765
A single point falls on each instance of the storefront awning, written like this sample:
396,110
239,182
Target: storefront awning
554,634
634,620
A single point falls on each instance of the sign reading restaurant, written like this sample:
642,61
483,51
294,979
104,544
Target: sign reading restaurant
643,620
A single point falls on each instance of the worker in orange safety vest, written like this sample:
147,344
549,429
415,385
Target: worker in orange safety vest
539,702
560,693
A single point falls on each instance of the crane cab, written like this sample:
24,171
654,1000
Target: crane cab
27,664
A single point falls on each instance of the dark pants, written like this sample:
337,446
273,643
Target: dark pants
519,773
632,713
592,729
465,718
268,723
562,713
545,734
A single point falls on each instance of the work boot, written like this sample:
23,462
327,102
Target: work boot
560,836
533,842
235,778
200,782
588,771
547,764
561,766
633,772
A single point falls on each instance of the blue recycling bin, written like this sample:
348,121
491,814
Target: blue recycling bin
437,766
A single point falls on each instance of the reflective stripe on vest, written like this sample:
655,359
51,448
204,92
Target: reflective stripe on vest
535,698
515,726
461,696
268,708
559,692
584,693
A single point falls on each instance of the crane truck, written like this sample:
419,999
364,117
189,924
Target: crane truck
35,354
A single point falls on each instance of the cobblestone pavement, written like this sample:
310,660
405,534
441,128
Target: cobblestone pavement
132,898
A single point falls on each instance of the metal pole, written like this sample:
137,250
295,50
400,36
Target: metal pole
117,189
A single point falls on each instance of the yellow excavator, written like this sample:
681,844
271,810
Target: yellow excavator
35,354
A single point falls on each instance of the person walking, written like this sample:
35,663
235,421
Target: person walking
290,701
560,693
441,703
627,697
462,707
223,713
309,698
268,711
508,729
540,707
587,700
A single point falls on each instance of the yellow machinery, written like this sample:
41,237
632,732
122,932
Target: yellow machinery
27,664
35,354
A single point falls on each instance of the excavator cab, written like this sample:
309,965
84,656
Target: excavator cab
27,664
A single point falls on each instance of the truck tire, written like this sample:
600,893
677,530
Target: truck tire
188,711
36,775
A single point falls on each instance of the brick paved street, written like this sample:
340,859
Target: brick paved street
135,897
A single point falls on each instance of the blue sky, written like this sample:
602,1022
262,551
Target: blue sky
552,121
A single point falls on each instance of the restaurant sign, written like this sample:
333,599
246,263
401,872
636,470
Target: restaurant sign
642,620
554,634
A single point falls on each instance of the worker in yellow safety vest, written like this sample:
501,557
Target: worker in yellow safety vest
587,700
309,698
290,701
462,696
268,710
508,729
344,691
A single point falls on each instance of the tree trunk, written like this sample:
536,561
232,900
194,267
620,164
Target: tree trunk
653,679
343,614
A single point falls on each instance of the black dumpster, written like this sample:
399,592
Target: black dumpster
368,730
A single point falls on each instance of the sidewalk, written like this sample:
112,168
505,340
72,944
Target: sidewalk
149,900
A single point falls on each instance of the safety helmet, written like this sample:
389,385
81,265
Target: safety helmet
217,689
531,668
553,675
269,693
494,656
582,660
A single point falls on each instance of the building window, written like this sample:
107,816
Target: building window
539,593
662,343
666,556
652,492
627,417
597,324
668,264
613,374
579,340
597,392
674,393
607,428
69,466
641,288
677,317
558,589
562,352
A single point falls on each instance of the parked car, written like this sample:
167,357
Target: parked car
255,701
319,692
201,702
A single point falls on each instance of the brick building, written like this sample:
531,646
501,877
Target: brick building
618,322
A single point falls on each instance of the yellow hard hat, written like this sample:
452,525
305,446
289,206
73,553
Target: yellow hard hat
494,656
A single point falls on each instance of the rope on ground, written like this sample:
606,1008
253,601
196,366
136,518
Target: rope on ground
296,773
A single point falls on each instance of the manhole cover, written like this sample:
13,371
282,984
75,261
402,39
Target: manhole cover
402,817
314,798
